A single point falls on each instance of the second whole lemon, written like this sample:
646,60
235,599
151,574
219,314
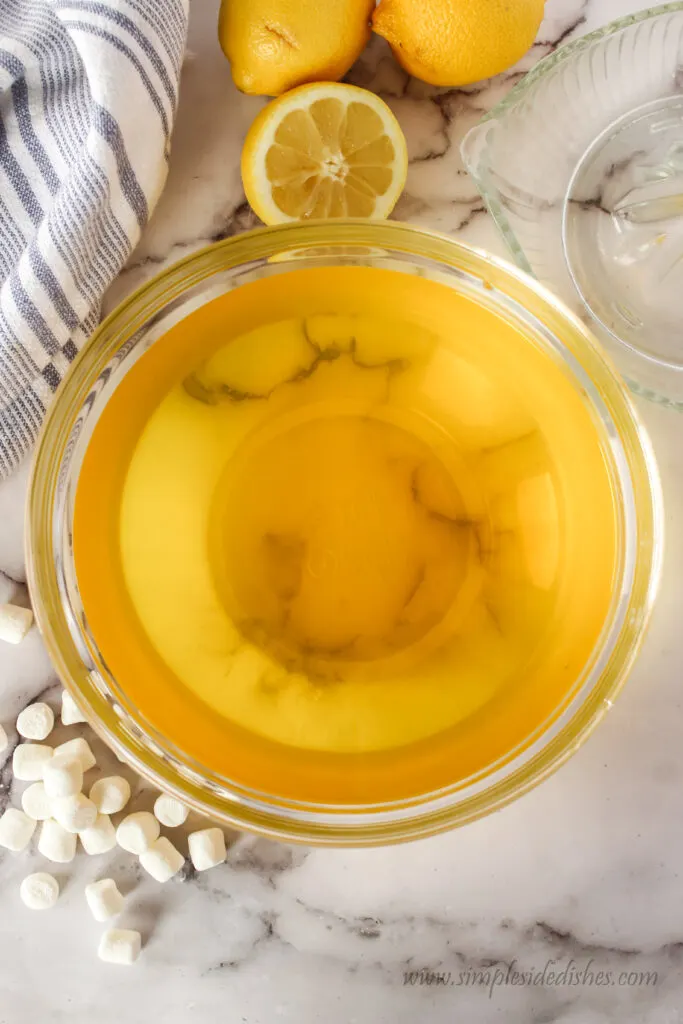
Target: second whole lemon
457,42
275,45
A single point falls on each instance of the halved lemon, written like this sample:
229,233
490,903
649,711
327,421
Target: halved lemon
324,150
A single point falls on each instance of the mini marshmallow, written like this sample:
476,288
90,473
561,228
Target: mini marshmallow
137,832
39,891
16,829
75,813
110,794
120,946
71,713
207,848
29,760
104,899
63,775
36,802
55,843
100,837
36,721
14,623
162,860
169,811
4,742
81,749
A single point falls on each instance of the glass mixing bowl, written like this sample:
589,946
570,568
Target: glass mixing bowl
581,167
149,313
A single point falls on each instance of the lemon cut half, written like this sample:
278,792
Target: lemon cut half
324,150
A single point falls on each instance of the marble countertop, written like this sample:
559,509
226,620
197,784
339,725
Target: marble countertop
583,876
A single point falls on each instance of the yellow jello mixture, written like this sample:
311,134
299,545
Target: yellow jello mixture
345,535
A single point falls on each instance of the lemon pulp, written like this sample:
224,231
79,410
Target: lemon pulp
344,534
324,150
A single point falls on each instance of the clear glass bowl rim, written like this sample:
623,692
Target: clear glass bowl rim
325,825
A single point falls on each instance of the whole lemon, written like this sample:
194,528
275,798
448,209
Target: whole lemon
455,42
274,45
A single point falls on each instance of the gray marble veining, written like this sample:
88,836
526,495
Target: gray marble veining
565,907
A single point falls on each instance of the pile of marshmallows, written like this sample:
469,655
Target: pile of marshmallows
55,799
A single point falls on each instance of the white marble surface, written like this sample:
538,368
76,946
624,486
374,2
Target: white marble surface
586,869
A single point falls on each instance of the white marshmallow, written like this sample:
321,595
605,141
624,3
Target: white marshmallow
36,802
16,829
137,832
162,860
169,811
120,946
29,760
207,848
14,623
4,742
100,837
110,794
75,813
63,775
55,843
36,721
81,749
104,899
39,891
71,713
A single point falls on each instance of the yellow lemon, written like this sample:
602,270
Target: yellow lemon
274,45
324,150
455,42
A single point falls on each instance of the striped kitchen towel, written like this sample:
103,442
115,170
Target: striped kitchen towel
88,92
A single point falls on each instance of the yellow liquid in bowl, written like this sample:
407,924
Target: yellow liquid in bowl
345,535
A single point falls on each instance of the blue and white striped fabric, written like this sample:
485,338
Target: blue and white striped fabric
88,92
